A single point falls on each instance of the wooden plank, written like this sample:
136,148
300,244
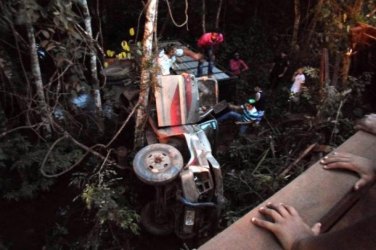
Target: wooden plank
313,194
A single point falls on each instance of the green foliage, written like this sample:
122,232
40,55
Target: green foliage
250,173
62,157
109,200
358,86
20,163
19,167
54,236
106,201
335,27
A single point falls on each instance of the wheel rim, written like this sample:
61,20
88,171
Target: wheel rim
158,163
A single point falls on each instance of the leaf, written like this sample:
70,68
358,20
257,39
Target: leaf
110,53
50,47
44,43
125,46
45,33
121,55
131,31
59,60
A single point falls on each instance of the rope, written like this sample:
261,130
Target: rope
172,18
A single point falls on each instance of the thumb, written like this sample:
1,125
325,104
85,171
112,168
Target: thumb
359,126
360,183
316,228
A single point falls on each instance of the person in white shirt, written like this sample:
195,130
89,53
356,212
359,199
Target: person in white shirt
167,57
296,88
299,80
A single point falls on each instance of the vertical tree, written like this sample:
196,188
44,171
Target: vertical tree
218,14
146,63
43,108
93,57
295,33
313,23
203,18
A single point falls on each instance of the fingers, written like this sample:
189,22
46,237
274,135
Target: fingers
272,213
337,165
360,126
316,229
280,208
336,156
291,210
264,224
337,160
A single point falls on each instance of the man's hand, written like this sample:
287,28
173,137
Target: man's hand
234,107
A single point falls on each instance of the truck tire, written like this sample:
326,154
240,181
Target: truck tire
158,164
156,226
115,73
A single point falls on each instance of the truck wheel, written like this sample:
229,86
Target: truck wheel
158,164
162,225
114,73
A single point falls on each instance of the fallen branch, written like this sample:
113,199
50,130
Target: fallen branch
123,125
86,148
301,156
19,128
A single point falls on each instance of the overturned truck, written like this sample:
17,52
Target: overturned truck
178,160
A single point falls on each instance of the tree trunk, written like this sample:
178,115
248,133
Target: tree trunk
346,61
295,33
324,69
141,116
37,77
93,57
337,63
218,14
313,23
203,22
356,9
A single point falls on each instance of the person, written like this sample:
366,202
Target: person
293,233
260,101
208,42
167,57
298,80
278,69
248,113
237,65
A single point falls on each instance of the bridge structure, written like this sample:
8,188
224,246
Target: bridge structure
318,195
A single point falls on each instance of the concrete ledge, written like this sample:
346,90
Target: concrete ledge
313,194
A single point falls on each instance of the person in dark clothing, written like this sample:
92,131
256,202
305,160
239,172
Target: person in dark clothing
278,70
293,232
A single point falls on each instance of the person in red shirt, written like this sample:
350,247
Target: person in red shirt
237,65
208,42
